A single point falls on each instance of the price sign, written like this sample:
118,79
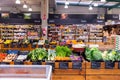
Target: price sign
95,65
77,65
63,65
109,65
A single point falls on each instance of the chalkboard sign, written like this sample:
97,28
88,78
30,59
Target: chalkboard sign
19,45
95,65
118,65
109,65
37,63
112,16
16,15
24,52
4,63
47,46
6,45
69,45
52,64
18,62
34,45
12,45
53,46
25,45
40,46
76,65
63,65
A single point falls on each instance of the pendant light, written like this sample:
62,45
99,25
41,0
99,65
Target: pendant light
66,6
30,9
90,8
96,4
66,2
17,2
25,5
103,0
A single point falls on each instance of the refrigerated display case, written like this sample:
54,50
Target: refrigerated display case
25,72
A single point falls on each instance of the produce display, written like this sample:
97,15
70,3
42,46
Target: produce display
1,41
2,56
94,54
51,54
7,41
41,42
63,53
10,57
76,58
26,41
21,57
37,54
18,32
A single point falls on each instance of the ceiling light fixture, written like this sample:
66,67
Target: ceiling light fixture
96,4
17,2
66,6
30,9
90,8
103,0
25,5
66,2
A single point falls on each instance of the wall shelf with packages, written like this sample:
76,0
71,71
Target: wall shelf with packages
96,33
54,32
19,31
85,32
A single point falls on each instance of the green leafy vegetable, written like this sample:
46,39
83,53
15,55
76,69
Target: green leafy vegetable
37,54
109,55
63,51
93,54
117,57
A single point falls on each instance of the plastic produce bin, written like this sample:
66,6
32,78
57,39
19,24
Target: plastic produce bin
25,72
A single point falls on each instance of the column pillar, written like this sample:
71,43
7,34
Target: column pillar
44,16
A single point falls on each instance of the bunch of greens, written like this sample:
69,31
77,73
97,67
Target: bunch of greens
37,54
51,54
109,55
63,51
93,54
117,57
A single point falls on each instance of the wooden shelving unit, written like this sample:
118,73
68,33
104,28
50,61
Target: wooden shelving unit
54,33
17,32
96,33
85,32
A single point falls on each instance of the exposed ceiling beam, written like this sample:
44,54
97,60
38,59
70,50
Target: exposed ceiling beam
84,5
114,6
79,1
52,5
92,2
105,3
113,0
110,0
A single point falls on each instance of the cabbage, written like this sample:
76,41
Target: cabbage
93,54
